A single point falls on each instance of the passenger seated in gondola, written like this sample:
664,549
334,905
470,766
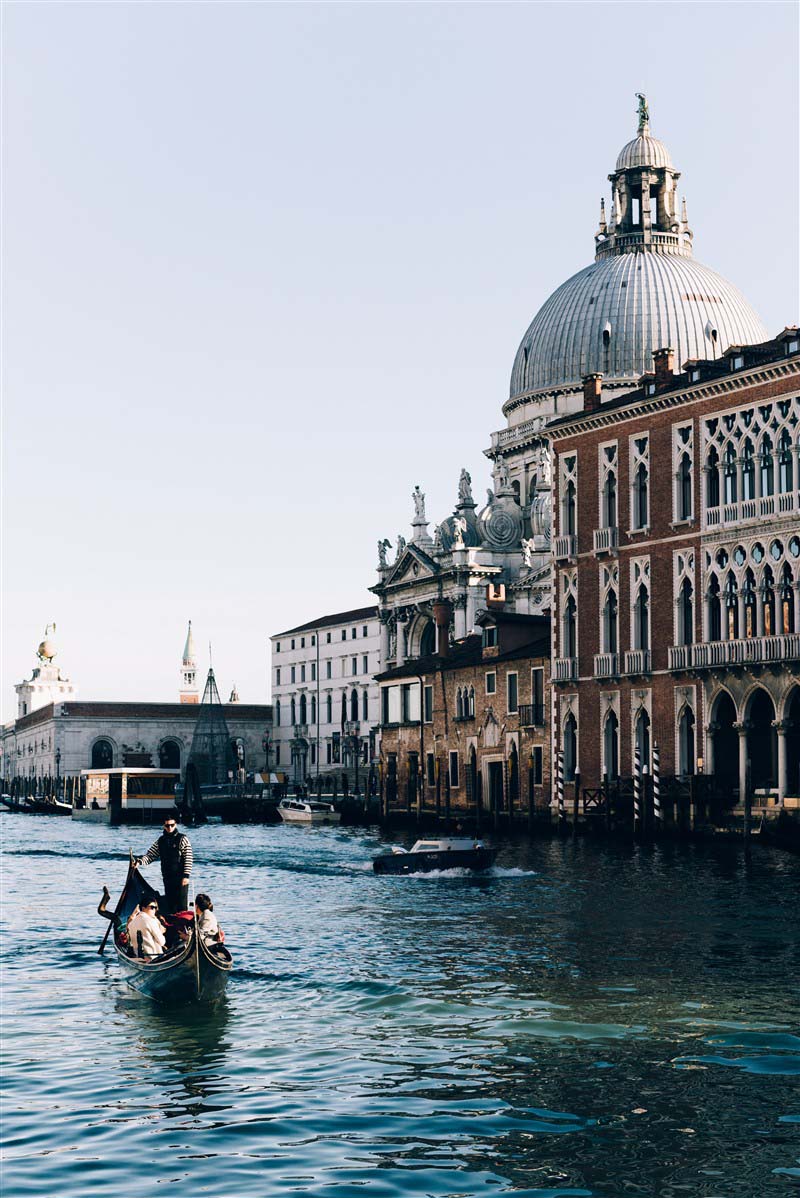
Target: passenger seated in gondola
207,924
146,931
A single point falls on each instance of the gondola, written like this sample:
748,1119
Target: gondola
35,806
192,971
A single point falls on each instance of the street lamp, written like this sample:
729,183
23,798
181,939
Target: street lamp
58,771
265,745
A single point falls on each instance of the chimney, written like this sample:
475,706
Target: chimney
664,361
592,389
441,616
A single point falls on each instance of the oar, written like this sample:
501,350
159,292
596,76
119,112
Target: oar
119,904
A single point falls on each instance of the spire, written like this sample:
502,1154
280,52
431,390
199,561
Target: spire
603,229
211,755
684,214
188,648
188,692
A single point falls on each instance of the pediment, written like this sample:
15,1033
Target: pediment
413,564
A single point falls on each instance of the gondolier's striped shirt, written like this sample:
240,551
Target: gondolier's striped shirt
184,849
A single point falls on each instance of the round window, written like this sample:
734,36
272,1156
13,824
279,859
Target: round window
757,553
794,546
739,555
722,558
776,551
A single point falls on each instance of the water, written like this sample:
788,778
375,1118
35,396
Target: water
586,1021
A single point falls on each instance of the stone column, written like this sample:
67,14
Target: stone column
460,617
472,608
797,606
742,729
759,611
781,727
400,655
708,755
384,649
742,613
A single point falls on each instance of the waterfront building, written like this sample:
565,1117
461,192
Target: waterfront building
55,735
464,728
324,696
677,573
643,290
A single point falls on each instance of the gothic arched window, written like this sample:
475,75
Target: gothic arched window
277,713
729,473
685,488
685,614
749,470
610,639
785,466
767,466
354,705
640,496
610,500
313,709
303,710
569,640
365,706
712,478
714,610
293,711
642,738
641,628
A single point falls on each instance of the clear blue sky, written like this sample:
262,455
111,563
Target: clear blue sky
266,267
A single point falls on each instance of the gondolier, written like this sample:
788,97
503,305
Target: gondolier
174,852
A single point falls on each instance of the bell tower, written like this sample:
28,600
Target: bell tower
189,692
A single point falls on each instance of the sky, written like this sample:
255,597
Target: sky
266,267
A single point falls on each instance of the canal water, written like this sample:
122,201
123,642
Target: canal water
587,1020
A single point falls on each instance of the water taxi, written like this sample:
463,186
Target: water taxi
450,852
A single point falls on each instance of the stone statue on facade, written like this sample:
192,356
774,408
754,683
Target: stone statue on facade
465,487
502,476
382,548
419,503
401,545
459,528
528,549
437,539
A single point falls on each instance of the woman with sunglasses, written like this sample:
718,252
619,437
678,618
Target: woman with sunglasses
174,852
146,932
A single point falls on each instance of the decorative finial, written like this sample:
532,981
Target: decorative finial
684,213
603,226
644,113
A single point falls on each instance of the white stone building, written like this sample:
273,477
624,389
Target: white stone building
324,698
55,735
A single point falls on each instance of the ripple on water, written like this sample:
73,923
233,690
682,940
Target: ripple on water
563,1026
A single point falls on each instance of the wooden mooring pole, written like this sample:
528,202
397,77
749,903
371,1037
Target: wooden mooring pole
575,804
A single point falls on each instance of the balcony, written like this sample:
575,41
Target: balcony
741,512
606,540
565,547
755,650
531,715
565,669
637,661
606,665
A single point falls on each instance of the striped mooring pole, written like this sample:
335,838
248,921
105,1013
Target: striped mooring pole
560,784
637,791
656,785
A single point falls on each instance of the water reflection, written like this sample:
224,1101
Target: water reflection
185,1050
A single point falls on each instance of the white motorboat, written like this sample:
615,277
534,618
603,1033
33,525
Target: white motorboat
448,852
307,811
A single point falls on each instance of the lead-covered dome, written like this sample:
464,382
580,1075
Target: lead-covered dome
608,319
643,292
644,150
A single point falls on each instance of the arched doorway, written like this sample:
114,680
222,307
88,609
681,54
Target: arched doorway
792,735
169,755
726,745
102,755
641,739
686,742
762,741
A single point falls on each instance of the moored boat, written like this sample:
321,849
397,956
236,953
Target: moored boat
194,970
428,855
307,811
31,805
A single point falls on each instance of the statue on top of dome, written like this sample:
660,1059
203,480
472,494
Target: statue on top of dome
643,112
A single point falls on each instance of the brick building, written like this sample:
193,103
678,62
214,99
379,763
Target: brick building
677,574
465,729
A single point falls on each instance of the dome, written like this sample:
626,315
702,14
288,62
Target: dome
47,650
643,292
608,319
644,150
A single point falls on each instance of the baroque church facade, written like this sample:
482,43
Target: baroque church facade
643,291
